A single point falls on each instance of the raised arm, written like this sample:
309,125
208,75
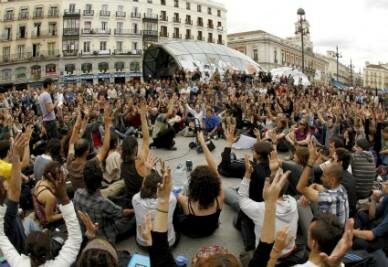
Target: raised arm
208,155
75,135
107,125
143,153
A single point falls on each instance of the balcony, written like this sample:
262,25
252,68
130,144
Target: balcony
220,28
21,36
53,14
88,13
163,18
37,14
23,16
210,26
30,57
210,40
177,36
8,17
150,17
126,32
164,35
121,14
189,37
200,24
72,13
150,33
120,52
135,15
6,38
188,22
70,31
70,53
176,20
87,31
104,13
44,34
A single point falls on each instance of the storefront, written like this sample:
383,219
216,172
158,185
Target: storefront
86,79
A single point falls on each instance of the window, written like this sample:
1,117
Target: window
176,33
86,67
119,27
36,30
72,8
6,74
104,25
188,5
6,53
38,13
120,8
210,24
35,50
52,29
135,28
188,34
51,68
104,7
102,45
219,13
21,73
119,46
163,15
149,1
275,57
176,18
22,32
188,20
103,67
7,33
163,31
209,10
255,55
88,7
36,72
210,37
220,39
53,11
134,67
8,15
200,22
219,25
199,8
20,52
119,66
87,47
163,2
200,37
51,48
69,68
23,13
134,46
176,3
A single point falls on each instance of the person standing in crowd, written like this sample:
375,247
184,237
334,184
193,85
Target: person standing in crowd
47,106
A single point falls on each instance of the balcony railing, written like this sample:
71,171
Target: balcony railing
164,34
163,18
70,53
135,15
200,24
177,36
150,16
8,17
21,36
29,56
37,14
72,12
210,26
150,33
189,37
53,14
121,14
23,16
71,31
104,13
126,32
95,31
188,22
121,52
220,28
5,38
176,20
88,13
44,34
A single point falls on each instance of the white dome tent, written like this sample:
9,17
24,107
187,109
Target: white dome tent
299,77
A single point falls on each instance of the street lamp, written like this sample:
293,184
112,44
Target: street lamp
338,56
303,31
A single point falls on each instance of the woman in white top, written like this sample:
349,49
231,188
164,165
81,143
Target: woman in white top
146,202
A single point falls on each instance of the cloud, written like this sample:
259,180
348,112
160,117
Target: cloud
376,4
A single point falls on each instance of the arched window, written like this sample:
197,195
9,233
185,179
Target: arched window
134,67
119,66
69,68
6,75
86,67
103,67
21,73
51,68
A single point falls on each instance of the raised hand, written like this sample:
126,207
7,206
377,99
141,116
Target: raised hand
272,189
151,161
108,118
164,189
313,153
274,161
282,239
230,134
60,188
91,228
248,167
342,247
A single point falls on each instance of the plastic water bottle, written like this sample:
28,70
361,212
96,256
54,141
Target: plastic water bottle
179,176
181,261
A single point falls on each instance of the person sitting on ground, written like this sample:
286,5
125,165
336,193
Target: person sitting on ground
286,209
145,203
301,135
331,196
41,161
211,123
38,244
114,222
204,199
45,202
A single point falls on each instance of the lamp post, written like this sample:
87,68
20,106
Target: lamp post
338,56
351,72
303,31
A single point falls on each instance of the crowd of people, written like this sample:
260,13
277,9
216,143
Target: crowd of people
78,174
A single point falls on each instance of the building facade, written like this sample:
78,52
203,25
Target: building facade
92,41
376,76
271,52
346,75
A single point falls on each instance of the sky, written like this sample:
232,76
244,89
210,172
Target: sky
359,27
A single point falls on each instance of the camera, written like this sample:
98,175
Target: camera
197,125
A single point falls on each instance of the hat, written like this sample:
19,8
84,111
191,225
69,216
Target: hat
363,144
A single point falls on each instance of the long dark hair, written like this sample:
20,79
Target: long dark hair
129,149
38,247
150,185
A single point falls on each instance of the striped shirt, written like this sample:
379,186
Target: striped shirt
334,201
364,172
